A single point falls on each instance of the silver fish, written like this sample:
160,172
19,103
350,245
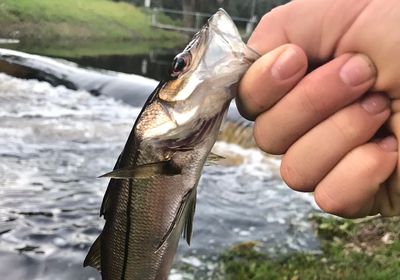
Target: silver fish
151,197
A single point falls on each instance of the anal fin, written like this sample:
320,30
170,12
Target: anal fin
189,217
185,211
93,258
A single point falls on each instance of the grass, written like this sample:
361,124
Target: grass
360,249
76,23
70,49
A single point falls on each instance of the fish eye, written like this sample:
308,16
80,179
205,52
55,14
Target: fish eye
180,64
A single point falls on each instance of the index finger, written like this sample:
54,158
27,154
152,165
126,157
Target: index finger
314,25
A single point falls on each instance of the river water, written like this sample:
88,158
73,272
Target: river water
54,142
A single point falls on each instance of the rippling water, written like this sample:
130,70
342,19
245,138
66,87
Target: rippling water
54,142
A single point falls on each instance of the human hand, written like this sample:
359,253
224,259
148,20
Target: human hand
325,122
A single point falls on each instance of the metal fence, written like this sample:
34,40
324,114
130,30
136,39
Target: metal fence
191,22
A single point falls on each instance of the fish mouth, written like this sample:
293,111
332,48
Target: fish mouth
199,39
214,23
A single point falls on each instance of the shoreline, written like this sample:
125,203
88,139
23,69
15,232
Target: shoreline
367,248
98,27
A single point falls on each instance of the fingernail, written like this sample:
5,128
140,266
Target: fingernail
287,64
388,144
375,103
357,70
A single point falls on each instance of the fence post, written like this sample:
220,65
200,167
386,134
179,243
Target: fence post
154,17
198,23
250,25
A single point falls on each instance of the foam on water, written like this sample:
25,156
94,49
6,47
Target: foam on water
54,142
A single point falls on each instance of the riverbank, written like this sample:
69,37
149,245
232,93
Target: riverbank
81,27
351,249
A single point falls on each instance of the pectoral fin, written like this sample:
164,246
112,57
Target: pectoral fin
185,215
213,159
167,168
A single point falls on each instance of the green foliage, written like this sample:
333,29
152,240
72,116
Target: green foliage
360,249
70,49
329,228
82,19
237,8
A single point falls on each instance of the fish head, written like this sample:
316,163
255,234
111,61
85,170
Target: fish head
202,81
205,73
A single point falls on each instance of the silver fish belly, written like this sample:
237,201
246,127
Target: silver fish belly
151,197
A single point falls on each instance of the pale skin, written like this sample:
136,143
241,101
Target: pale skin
325,122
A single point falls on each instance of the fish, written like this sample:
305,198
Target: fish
151,197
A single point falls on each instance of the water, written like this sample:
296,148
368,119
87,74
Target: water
54,142
155,64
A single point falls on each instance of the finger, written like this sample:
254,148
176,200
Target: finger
298,23
349,189
310,158
269,78
321,93
387,202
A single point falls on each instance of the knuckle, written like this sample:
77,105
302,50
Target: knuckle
345,128
259,137
266,144
293,178
277,11
266,18
371,163
330,205
311,99
273,19
270,17
258,133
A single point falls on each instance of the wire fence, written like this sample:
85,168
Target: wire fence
191,22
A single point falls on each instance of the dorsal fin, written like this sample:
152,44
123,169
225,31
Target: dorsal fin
93,258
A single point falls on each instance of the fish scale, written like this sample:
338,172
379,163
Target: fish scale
151,197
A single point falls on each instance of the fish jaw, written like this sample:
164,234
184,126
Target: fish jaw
227,57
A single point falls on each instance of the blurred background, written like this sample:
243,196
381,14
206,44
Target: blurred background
74,75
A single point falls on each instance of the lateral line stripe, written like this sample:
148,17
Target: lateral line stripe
128,226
